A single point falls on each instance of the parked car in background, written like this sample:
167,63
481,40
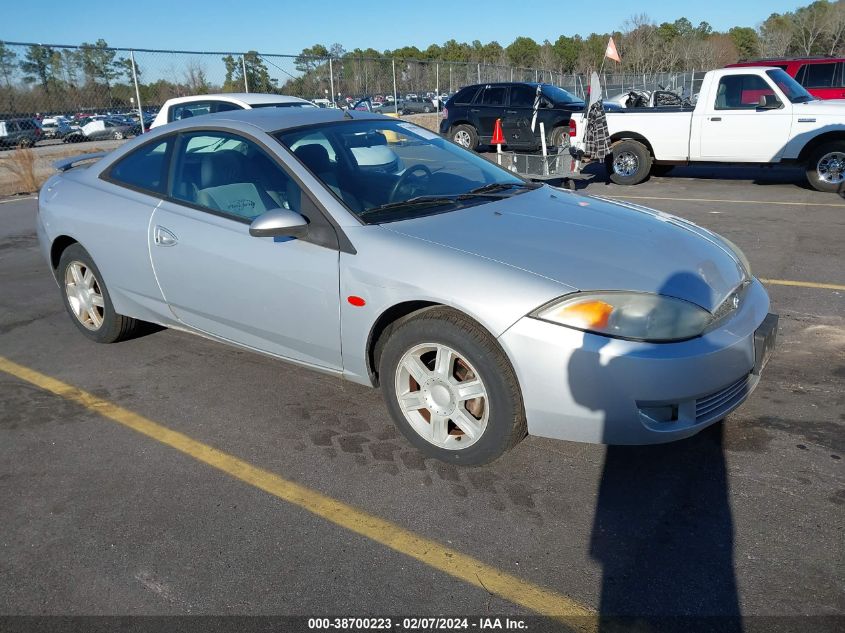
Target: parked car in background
822,77
324,103
184,107
417,105
744,115
470,115
20,133
102,129
56,127
485,306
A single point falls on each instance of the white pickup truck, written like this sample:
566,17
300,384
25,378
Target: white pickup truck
742,115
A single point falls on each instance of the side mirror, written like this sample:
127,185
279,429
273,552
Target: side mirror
768,102
279,223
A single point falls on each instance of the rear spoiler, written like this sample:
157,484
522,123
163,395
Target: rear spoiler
67,163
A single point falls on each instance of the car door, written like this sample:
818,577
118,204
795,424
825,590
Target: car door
489,105
516,124
278,296
733,128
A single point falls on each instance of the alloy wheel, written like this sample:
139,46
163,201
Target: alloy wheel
462,138
84,295
626,163
442,396
831,168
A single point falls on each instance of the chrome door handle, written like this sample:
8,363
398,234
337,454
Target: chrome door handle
715,118
511,112
473,110
164,237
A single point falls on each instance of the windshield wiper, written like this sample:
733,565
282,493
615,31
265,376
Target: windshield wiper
410,202
502,186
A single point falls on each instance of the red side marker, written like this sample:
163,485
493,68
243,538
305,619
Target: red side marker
356,301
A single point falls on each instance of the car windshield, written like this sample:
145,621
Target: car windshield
559,95
794,91
385,170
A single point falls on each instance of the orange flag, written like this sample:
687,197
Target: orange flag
611,52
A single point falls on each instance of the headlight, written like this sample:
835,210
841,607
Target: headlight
630,315
740,256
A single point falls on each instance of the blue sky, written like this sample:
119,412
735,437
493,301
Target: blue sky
282,26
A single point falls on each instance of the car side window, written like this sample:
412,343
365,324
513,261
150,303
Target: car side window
493,96
522,96
226,106
230,175
145,168
817,75
465,95
186,110
741,92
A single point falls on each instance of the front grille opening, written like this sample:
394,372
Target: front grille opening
664,413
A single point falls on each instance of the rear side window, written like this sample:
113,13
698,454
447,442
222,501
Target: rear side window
493,96
27,125
187,110
817,75
465,95
225,106
145,168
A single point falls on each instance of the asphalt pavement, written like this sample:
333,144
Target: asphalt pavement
97,518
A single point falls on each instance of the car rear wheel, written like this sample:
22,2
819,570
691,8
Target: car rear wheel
450,389
629,162
465,136
87,300
558,136
427,109
826,167
117,136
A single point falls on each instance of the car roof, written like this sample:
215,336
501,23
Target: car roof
273,119
248,98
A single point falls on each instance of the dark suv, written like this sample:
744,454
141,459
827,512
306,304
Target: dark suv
470,114
19,133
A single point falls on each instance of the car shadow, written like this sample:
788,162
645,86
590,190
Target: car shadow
663,530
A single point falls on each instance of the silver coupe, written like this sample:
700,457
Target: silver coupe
485,306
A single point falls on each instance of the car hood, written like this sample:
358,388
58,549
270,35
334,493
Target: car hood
820,107
588,243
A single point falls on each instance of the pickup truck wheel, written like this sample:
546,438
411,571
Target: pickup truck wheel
556,139
826,167
465,136
629,162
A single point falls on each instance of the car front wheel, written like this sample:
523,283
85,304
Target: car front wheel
87,300
826,167
450,389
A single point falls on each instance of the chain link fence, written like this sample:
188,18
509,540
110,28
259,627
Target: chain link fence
78,82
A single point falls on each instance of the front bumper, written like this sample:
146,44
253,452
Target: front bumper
589,388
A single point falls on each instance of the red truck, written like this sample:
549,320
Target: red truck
823,77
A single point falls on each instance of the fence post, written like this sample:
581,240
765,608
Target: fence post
479,73
437,83
331,79
450,78
137,92
395,93
243,65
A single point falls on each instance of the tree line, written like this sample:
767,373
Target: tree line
41,77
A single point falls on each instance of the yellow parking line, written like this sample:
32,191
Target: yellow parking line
794,204
427,551
803,284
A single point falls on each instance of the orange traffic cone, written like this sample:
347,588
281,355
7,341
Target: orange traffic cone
498,135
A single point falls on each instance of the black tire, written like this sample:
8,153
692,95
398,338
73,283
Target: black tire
114,327
470,131
639,157
661,170
506,424
813,164
427,109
